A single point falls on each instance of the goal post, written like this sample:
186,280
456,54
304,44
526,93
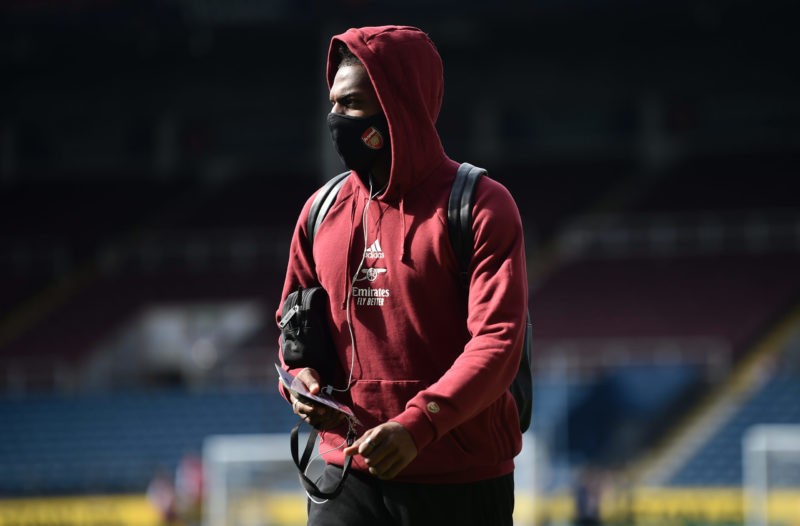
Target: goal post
771,475
251,480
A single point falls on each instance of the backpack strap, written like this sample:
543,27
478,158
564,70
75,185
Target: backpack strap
322,203
459,225
319,209
459,216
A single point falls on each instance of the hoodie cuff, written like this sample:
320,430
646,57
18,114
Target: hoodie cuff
417,424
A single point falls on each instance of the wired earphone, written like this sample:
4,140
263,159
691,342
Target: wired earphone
330,388
359,267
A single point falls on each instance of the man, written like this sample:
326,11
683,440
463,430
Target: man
425,365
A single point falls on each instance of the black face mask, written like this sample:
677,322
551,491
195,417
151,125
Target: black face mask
359,140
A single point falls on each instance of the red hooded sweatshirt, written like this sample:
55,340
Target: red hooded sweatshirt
425,356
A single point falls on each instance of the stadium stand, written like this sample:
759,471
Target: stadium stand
627,348
80,214
539,189
773,399
687,273
719,461
727,297
725,183
245,202
100,443
68,340
141,243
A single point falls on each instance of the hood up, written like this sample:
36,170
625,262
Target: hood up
406,71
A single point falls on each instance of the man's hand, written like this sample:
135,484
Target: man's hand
387,449
316,415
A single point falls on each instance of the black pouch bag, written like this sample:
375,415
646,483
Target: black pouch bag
306,342
305,336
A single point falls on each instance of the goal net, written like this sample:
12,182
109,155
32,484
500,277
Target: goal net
251,481
771,478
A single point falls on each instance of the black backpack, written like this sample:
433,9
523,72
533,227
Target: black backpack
459,223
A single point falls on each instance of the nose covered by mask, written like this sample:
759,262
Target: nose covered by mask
359,140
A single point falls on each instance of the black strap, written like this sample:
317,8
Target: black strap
459,216
303,462
319,209
322,202
459,223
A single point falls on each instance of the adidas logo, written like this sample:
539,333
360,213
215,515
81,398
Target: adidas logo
374,251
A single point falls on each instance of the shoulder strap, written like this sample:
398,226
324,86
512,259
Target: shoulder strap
319,209
459,216
459,224
322,203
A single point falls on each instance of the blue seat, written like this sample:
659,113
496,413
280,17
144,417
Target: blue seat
719,461
52,444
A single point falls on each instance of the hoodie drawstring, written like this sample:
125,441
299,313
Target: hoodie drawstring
405,233
347,283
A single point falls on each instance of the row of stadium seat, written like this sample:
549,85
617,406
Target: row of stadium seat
719,461
50,443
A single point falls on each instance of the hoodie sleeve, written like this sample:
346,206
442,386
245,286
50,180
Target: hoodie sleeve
497,306
300,272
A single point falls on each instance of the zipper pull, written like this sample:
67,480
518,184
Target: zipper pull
289,316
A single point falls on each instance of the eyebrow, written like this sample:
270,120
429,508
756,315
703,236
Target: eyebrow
351,93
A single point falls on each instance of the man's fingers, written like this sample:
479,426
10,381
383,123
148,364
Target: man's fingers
387,465
301,408
310,377
316,415
356,447
303,405
368,445
376,454
386,449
